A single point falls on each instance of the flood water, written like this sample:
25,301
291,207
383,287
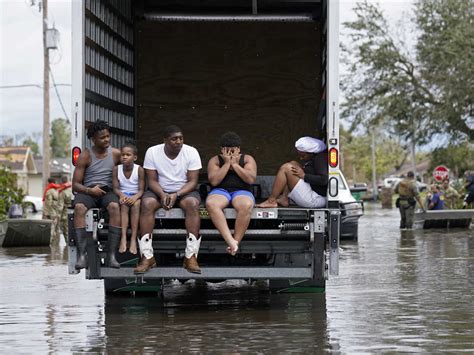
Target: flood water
398,291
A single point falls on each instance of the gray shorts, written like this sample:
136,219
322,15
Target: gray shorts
94,202
150,194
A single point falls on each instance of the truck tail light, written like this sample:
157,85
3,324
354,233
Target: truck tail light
76,151
333,157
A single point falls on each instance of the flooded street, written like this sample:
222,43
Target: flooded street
398,291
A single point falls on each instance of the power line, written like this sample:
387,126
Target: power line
57,93
29,85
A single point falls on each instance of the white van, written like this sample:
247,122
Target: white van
351,210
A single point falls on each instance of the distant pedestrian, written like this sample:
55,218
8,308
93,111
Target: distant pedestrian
50,208
406,202
65,200
15,211
450,194
128,180
437,199
469,185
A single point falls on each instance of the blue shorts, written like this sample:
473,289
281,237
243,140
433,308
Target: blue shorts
128,194
231,195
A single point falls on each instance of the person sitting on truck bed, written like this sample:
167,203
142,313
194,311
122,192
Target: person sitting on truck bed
92,183
172,170
129,184
231,174
306,183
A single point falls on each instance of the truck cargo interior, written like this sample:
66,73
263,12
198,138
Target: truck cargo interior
211,68
256,67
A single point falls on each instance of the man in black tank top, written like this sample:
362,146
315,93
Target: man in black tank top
231,174
92,184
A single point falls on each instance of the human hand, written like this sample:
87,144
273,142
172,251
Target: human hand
96,191
164,197
131,201
297,171
123,199
234,159
171,200
226,155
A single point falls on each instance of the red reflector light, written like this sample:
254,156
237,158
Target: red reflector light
76,151
333,157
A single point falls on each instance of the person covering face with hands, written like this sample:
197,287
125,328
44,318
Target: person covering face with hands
231,175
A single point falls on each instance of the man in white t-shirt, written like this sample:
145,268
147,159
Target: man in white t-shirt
172,171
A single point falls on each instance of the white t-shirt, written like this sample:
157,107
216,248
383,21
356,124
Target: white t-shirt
172,173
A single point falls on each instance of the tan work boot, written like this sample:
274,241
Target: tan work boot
144,265
191,265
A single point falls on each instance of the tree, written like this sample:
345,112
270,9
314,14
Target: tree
445,54
458,158
356,152
6,141
9,192
29,142
60,138
408,94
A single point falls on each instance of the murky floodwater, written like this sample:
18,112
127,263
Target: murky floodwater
397,292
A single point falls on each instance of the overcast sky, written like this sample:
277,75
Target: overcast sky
21,59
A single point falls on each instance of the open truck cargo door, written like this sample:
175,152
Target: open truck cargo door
267,69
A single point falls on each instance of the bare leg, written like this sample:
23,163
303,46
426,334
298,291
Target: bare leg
243,206
215,205
114,214
190,205
134,217
147,215
124,209
80,211
283,180
283,199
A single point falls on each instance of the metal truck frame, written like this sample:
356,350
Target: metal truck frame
294,248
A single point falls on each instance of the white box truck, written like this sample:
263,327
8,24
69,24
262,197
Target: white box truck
266,69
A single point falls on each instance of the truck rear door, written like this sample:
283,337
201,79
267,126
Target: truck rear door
103,68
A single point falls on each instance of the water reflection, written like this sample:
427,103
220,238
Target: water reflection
231,318
405,291
398,291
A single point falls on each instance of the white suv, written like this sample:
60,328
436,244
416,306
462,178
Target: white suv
351,210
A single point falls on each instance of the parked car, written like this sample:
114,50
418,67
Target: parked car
35,204
351,209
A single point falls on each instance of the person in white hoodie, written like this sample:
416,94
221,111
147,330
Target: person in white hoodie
172,171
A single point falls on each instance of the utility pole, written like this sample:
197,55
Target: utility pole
46,143
413,148
374,172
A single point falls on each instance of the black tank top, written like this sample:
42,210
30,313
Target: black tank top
233,182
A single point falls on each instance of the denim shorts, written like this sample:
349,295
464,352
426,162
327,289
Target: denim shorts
231,195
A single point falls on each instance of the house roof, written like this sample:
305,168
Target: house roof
421,169
57,166
18,159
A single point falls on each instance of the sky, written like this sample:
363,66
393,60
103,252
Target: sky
21,60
